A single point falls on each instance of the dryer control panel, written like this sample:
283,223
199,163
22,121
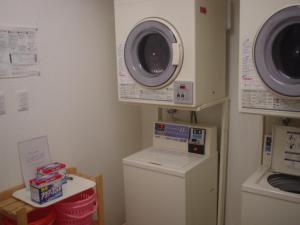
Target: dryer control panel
191,138
183,92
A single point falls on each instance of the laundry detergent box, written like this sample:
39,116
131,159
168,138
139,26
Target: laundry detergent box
46,188
51,168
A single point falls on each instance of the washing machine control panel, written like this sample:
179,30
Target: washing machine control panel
197,140
172,131
267,151
286,150
194,137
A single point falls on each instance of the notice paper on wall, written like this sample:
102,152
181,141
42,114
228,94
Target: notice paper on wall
18,52
33,153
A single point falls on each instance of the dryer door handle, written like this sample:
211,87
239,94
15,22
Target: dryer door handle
176,54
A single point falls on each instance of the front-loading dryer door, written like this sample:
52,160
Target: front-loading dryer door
277,52
153,53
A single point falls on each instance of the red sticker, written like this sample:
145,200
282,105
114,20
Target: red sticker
203,10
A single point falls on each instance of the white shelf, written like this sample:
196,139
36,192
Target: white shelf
73,187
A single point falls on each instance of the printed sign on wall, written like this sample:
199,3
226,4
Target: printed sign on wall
18,52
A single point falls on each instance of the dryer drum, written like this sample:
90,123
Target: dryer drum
285,182
149,54
277,52
154,53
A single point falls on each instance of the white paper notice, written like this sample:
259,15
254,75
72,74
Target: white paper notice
18,52
33,153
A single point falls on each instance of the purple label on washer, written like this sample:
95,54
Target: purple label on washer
171,131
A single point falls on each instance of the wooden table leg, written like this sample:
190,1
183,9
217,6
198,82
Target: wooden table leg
100,210
1,218
22,217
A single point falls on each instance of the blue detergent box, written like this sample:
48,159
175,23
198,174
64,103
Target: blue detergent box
46,188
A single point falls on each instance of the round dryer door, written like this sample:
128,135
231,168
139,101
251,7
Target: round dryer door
277,52
153,53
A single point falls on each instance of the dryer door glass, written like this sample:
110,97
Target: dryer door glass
277,52
151,54
154,53
286,51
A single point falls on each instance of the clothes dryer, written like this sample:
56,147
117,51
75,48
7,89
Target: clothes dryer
270,57
271,196
170,52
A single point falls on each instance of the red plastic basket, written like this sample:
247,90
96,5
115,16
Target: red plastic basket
45,216
77,210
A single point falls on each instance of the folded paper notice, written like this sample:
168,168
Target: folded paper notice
33,153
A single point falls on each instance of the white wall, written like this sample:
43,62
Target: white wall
244,134
74,102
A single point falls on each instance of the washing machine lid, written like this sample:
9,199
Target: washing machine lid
153,53
258,183
277,52
286,150
285,182
164,159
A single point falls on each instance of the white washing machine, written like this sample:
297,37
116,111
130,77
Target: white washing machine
170,183
170,52
270,57
271,196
